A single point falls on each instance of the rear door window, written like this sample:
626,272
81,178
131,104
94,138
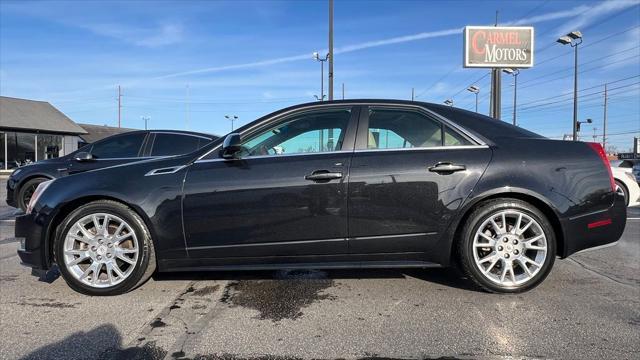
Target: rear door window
399,128
175,144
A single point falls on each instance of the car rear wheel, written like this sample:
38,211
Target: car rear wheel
507,246
104,248
26,192
622,190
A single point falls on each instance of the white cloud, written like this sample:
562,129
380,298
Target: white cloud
588,16
164,34
628,51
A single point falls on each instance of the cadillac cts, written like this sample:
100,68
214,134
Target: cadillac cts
340,184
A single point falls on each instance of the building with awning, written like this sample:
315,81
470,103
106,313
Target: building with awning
33,130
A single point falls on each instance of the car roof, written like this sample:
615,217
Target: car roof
167,131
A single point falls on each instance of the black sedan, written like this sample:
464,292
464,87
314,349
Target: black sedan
114,150
339,184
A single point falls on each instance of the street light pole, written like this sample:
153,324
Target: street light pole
515,73
604,125
574,39
476,90
330,55
145,119
321,60
233,118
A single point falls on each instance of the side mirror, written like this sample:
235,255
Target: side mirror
84,156
231,146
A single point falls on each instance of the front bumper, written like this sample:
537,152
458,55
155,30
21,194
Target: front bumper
595,229
30,229
11,198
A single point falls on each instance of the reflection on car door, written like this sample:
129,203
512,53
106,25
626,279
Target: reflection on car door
409,174
283,201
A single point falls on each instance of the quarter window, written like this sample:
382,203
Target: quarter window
311,132
452,138
174,144
124,146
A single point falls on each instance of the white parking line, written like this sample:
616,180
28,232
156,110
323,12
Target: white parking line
638,218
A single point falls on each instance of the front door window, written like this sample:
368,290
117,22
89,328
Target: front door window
311,132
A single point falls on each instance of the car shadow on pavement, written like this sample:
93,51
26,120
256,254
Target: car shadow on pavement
450,277
102,343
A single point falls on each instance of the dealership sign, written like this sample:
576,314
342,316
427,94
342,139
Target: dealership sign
498,47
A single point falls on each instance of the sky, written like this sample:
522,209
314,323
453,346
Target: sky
187,64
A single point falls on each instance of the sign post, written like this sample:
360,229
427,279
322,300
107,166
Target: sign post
498,47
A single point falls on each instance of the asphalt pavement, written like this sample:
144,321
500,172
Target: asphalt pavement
589,307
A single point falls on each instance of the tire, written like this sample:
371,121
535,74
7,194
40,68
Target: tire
26,190
104,251
500,267
622,190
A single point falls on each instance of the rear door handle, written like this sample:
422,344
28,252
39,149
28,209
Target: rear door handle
445,167
323,175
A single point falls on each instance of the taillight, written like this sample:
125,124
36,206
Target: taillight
603,156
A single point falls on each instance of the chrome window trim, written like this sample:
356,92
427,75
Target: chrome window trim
179,133
428,148
277,156
481,143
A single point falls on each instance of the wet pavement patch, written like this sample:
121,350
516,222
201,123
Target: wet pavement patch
157,323
283,297
147,351
58,305
207,290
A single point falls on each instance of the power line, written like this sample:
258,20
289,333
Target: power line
584,89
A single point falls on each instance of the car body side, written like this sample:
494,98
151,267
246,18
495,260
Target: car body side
565,180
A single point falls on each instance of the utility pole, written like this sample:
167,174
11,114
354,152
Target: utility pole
594,134
119,105
604,125
413,92
187,114
330,50
496,91
342,91
145,119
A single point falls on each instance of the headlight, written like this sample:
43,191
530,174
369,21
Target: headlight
36,194
15,172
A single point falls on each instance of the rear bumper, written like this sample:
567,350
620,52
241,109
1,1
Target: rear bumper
29,227
595,229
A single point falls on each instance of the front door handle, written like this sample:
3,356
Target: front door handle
323,175
447,168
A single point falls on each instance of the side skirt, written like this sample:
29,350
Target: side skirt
291,266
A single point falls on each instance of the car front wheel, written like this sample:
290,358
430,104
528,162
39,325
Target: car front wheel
621,189
26,192
507,246
104,248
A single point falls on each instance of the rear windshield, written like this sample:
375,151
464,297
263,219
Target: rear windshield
481,124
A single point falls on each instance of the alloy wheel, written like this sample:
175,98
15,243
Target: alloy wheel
510,248
101,250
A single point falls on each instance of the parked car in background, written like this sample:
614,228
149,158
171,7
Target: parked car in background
334,184
626,184
114,150
633,164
